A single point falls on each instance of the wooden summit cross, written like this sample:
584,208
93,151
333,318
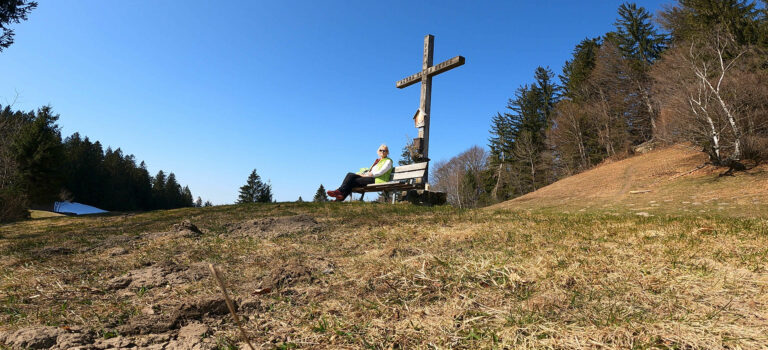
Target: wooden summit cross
414,176
421,119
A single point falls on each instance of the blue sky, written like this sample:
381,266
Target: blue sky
302,91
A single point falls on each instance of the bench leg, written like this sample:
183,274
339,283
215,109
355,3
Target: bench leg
361,196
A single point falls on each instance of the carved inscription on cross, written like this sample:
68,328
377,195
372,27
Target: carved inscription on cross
425,77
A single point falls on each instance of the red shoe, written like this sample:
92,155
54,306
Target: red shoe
340,198
333,193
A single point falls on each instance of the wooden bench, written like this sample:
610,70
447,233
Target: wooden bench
404,177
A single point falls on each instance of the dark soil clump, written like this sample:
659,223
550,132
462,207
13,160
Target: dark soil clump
274,227
184,229
294,272
175,316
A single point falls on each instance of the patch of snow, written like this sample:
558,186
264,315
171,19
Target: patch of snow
76,208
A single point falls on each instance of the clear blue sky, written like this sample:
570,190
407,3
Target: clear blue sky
303,91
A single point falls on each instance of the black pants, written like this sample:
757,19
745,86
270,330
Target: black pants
353,180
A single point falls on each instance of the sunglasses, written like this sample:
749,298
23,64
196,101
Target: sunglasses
383,150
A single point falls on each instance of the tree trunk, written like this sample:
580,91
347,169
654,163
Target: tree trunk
649,106
495,191
604,108
533,174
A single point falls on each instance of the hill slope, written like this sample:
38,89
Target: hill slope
381,276
669,180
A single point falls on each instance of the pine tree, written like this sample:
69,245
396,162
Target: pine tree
576,70
187,199
12,11
640,45
207,204
320,195
406,156
636,36
117,194
142,186
172,192
38,153
500,144
13,199
98,178
531,113
158,191
265,193
299,200
252,191
548,94
694,19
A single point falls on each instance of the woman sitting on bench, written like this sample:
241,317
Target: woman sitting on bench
378,173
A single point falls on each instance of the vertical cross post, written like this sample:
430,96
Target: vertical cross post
425,77
425,102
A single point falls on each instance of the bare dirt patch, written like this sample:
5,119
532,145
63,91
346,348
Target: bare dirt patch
274,227
32,337
49,251
158,275
193,336
115,241
296,271
403,252
171,316
184,229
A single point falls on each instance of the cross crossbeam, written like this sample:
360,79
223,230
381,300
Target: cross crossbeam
434,70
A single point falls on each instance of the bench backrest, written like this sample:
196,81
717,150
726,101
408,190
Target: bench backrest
410,171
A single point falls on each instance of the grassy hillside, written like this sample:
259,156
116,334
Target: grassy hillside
369,275
672,180
582,263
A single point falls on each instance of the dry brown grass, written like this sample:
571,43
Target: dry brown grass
39,214
572,266
677,180
382,276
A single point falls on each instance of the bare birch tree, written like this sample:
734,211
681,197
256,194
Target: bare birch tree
705,84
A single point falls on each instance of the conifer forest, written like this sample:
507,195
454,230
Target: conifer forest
695,72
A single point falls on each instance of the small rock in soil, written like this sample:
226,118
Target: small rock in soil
193,331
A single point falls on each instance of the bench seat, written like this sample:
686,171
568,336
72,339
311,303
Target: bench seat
404,177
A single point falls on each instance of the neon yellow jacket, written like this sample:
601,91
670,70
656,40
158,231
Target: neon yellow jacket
382,171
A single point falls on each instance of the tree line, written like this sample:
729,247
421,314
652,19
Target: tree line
37,168
696,73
